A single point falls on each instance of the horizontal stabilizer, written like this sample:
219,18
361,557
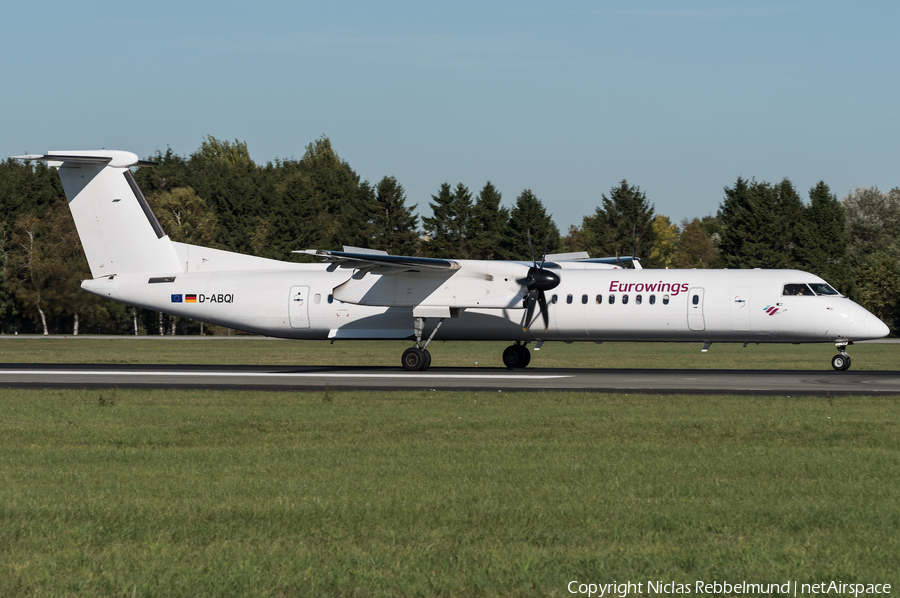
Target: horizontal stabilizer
80,159
118,159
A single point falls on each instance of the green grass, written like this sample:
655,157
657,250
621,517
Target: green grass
177,493
256,351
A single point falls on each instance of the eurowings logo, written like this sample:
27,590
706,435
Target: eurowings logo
771,310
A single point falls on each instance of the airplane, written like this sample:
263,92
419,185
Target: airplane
361,293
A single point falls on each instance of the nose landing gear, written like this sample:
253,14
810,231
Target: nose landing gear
841,362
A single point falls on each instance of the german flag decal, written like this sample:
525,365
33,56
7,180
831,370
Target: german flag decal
190,298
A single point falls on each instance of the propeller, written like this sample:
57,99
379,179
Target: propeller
537,281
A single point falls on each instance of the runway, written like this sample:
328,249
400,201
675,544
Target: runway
299,378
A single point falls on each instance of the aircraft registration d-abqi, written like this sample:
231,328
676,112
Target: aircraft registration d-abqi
366,294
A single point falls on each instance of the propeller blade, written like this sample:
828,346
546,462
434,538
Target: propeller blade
542,302
537,281
531,247
546,245
529,309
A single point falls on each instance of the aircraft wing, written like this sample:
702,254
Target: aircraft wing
369,260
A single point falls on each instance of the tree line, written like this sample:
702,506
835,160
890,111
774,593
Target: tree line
219,197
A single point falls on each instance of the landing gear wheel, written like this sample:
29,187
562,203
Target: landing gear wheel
840,362
516,356
526,355
427,359
415,359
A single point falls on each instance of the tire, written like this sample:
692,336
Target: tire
512,357
413,359
427,359
840,362
526,356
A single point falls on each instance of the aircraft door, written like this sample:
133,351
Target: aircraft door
695,309
299,307
740,310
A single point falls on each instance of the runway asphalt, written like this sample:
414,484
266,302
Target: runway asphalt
757,382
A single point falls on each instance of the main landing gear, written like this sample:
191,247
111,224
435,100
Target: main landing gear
841,362
516,356
417,358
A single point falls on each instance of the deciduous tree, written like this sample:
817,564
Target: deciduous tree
32,267
185,217
662,254
695,246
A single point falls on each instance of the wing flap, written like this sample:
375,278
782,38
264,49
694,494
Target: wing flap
370,261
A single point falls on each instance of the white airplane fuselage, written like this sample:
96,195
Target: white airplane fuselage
302,301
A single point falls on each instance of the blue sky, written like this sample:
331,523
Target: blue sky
566,98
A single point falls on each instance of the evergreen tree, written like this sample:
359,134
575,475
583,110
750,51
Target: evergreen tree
489,230
7,301
27,188
622,226
394,224
822,238
529,215
320,204
789,208
447,230
759,222
171,172
223,174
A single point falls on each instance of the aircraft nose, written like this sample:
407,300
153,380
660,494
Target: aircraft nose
877,328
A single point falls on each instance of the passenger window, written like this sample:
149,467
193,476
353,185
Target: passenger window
584,299
612,299
796,289
317,299
624,299
638,299
665,299
652,299
569,299
599,299
695,300
330,298
554,299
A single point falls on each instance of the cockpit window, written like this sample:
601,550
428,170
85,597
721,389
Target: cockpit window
820,288
797,289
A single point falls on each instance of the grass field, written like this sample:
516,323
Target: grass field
177,493
258,351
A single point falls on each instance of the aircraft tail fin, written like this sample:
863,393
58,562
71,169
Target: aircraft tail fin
119,232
